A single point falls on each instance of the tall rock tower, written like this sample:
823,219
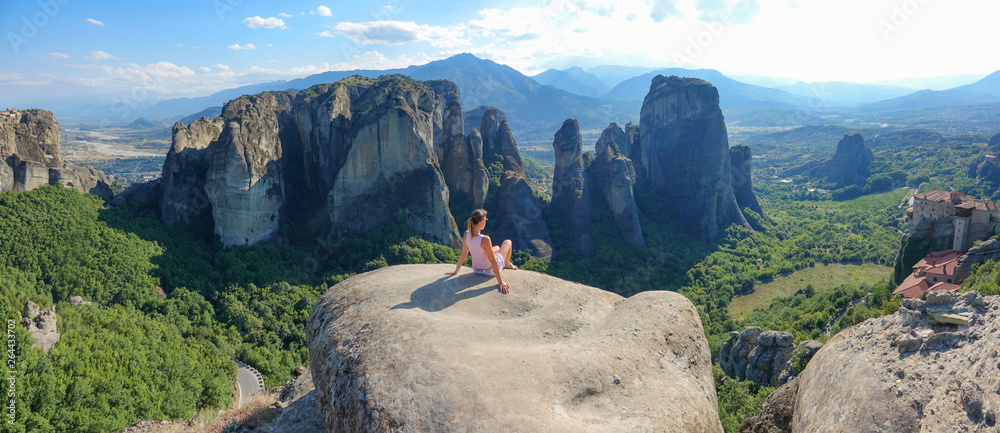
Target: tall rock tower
685,154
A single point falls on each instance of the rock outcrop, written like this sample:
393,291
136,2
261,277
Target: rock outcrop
685,154
616,177
299,409
571,188
30,156
336,158
848,165
41,324
980,253
767,358
520,216
740,157
986,171
404,349
182,183
244,183
994,144
932,366
390,165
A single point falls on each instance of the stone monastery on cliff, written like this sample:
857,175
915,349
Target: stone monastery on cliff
943,212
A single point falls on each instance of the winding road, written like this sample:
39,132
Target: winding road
249,380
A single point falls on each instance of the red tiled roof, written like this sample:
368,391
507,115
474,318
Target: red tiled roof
956,198
945,286
936,262
938,259
912,286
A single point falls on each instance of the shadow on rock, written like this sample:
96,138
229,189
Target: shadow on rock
445,292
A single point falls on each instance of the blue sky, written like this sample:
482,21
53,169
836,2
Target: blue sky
112,50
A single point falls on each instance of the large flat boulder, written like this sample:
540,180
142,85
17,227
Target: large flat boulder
409,349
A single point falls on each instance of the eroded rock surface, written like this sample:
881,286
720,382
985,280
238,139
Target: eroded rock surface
407,349
519,213
30,156
930,367
336,158
571,188
767,358
41,324
685,154
615,177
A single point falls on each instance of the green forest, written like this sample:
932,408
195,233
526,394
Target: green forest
134,354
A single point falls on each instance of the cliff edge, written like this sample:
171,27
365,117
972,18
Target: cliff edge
930,367
409,349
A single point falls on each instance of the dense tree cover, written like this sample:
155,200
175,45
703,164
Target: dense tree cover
132,354
985,279
114,363
738,400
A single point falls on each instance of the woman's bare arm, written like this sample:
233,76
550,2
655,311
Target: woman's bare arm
488,249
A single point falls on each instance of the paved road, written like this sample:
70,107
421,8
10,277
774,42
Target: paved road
250,382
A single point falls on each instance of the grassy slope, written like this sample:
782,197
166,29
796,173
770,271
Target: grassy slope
822,278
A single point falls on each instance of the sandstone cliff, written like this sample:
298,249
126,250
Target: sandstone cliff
30,157
519,215
616,176
391,165
740,157
335,158
930,367
685,154
408,349
244,183
848,165
571,188
182,183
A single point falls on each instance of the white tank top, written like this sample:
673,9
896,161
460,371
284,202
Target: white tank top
479,258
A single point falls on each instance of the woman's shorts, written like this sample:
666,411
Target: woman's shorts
489,272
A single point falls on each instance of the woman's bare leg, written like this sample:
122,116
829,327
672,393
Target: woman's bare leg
506,249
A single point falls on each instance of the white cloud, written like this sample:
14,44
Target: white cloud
94,22
324,11
167,70
284,15
264,23
224,70
57,56
242,47
399,32
204,69
269,45
100,55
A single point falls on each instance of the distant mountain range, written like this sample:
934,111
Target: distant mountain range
983,91
839,93
596,96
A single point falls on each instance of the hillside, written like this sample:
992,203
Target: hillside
732,93
839,93
573,80
983,91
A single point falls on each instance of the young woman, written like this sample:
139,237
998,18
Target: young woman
487,259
